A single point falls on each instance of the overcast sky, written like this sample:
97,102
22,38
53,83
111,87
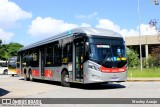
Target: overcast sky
28,21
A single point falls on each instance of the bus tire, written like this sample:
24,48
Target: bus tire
30,76
65,79
5,72
25,76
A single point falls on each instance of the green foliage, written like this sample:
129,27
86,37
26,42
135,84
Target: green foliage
13,48
149,72
0,41
132,57
148,63
3,52
156,56
7,50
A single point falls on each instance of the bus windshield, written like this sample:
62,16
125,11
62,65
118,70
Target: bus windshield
108,52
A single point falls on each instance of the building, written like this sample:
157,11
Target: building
147,42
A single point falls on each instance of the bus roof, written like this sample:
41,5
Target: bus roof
89,31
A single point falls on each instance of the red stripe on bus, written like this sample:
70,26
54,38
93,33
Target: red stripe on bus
48,73
18,71
35,72
113,70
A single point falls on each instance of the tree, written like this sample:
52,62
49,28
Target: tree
154,24
132,57
0,41
13,48
3,52
156,50
7,50
156,56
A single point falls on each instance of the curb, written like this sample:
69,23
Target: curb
143,80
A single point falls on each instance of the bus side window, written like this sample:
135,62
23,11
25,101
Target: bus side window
49,56
67,53
35,56
57,56
65,57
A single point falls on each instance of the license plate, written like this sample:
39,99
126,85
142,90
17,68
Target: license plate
114,79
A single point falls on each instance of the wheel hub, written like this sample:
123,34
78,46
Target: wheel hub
66,78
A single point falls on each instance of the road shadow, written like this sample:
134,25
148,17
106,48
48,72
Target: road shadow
9,75
3,92
98,86
44,81
14,76
95,86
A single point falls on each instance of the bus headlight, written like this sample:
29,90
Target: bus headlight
92,66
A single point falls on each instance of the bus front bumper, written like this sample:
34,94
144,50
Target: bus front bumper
100,77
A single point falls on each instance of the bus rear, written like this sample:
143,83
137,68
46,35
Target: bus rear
12,62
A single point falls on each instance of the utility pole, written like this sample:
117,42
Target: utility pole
156,2
140,46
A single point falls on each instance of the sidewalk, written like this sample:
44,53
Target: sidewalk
143,79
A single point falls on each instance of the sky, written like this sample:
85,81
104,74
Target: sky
28,21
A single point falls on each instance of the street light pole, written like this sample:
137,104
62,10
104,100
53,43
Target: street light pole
140,46
156,2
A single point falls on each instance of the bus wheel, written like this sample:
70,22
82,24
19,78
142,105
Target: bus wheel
65,79
30,76
25,75
5,72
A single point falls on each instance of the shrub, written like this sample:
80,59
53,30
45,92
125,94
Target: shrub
148,63
132,57
156,56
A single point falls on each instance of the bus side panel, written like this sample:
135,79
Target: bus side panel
35,72
48,72
58,71
18,71
54,73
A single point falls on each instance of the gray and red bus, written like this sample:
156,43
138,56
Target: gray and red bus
80,55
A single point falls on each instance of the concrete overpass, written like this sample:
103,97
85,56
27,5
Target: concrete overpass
147,41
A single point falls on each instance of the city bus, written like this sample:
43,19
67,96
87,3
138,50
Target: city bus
80,55
12,63
3,67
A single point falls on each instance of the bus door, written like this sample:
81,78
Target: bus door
42,59
79,56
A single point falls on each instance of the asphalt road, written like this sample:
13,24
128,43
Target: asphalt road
17,87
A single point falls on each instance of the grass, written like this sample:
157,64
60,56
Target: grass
145,73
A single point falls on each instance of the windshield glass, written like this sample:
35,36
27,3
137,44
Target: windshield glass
108,52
